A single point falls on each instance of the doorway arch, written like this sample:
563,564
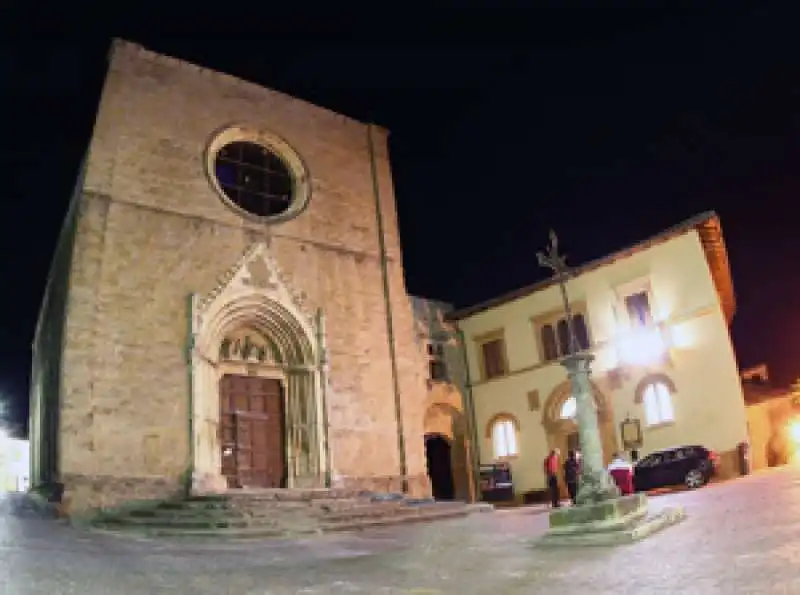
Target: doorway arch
438,454
250,329
445,433
560,425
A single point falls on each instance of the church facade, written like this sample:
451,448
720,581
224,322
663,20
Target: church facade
226,307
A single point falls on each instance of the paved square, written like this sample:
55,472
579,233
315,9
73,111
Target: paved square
740,537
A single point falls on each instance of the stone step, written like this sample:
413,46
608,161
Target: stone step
179,513
418,516
270,513
291,495
296,528
195,505
185,523
259,532
373,511
342,506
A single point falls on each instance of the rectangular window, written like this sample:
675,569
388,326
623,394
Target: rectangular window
437,366
555,341
494,361
437,370
638,307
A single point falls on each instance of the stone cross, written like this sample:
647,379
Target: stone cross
595,483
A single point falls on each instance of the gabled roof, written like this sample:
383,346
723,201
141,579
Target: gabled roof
708,227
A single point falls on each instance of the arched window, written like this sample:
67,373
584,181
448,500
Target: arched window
657,400
581,331
569,409
504,438
549,343
562,329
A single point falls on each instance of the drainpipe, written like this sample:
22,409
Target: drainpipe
323,380
188,481
398,410
469,405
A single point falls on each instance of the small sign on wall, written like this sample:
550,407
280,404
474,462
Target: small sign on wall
631,430
533,400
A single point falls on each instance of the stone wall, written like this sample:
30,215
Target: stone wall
448,411
152,231
47,348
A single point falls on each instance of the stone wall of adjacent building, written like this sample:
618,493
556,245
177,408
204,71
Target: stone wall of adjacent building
47,351
151,231
448,408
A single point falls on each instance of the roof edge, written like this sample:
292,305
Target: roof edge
708,220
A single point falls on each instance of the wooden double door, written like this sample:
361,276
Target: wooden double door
252,432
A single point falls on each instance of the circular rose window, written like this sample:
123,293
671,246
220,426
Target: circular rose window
254,179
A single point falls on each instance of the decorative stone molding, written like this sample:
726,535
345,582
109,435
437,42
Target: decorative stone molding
658,377
257,268
253,298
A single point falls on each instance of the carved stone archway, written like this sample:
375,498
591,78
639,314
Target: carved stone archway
559,430
252,297
445,420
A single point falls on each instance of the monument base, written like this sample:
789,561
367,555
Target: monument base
613,522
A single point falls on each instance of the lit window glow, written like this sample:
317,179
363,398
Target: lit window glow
794,432
642,346
569,409
504,439
658,404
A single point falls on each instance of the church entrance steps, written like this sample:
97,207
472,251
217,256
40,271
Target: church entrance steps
266,513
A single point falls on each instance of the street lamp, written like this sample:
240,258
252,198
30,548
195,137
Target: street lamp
596,485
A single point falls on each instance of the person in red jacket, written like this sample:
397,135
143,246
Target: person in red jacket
622,472
551,467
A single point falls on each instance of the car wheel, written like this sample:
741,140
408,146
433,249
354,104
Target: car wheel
694,479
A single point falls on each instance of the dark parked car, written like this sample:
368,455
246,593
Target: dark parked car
692,466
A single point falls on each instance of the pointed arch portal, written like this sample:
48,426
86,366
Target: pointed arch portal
256,409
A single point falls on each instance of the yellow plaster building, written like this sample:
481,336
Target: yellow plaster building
656,316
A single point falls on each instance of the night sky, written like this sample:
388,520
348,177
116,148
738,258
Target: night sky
606,125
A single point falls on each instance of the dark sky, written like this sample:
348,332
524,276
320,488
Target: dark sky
607,125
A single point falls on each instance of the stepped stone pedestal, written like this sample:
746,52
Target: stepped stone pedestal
615,521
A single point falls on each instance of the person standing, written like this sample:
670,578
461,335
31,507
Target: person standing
622,472
551,466
572,470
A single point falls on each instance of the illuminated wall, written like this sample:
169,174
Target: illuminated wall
14,464
685,349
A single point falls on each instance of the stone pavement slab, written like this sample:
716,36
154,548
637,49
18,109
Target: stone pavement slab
740,537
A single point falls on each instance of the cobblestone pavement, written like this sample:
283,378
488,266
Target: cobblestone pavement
740,537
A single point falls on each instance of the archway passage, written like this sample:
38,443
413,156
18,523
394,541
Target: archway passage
252,432
440,466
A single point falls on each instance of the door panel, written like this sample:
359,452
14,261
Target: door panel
252,434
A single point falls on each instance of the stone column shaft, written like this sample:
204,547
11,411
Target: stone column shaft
596,484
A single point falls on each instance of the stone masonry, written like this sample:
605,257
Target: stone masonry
151,230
